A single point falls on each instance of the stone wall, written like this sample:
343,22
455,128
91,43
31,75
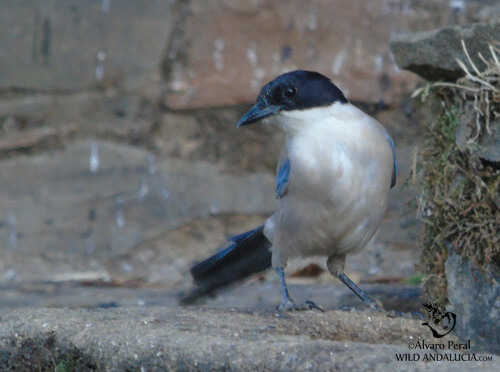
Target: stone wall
120,165
117,119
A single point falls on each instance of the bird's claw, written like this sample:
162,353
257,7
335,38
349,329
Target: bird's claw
287,305
311,306
290,305
375,307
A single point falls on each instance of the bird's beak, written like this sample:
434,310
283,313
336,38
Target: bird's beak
259,111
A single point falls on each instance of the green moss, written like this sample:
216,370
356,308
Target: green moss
456,200
414,279
68,364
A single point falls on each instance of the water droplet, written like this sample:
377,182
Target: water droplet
313,19
213,209
94,158
338,62
151,164
120,220
12,223
10,274
105,6
379,63
219,48
99,67
89,246
165,193
457,5
252,55
144,190
128,267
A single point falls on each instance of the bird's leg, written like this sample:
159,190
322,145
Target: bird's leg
287,303
367,300
335,266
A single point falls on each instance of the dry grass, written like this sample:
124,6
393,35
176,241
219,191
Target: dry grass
459,198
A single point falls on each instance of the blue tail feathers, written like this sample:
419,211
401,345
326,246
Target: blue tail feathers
247,254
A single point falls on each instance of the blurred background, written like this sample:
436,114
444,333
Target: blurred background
120,161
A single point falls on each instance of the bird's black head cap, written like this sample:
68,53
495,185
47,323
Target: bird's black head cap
296,90
300,89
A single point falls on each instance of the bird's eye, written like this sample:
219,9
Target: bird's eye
289,92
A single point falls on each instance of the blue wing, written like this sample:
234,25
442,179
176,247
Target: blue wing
282,178
395,170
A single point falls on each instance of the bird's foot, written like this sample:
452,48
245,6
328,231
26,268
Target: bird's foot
287,305
313,306
367,300
371,305
375,307
290,305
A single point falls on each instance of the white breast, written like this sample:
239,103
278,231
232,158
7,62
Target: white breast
341,168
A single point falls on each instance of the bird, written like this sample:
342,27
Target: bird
332,185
